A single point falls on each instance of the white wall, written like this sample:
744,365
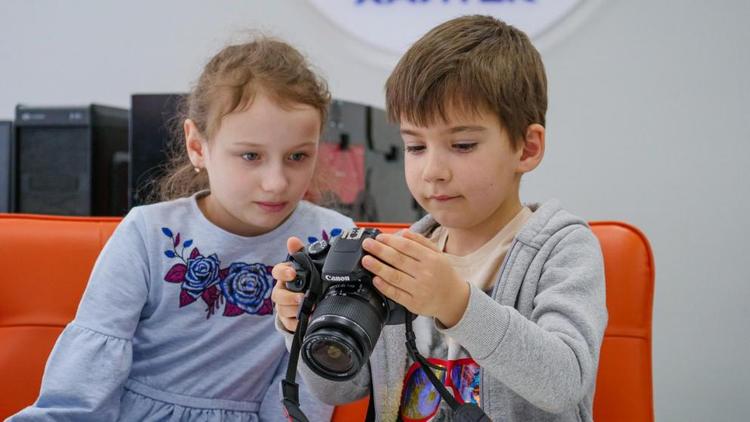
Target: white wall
646,124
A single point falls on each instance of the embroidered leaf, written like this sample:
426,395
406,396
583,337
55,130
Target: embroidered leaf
169,254
210,295
188,243
335,232
176,274
194,253
325,235
177,240
232,310
166,231
186,298
223,273
312,239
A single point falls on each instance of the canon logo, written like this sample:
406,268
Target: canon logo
329,277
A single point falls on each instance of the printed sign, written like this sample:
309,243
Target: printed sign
393,25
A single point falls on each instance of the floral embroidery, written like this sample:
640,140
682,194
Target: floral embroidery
324,235
247,288
240,288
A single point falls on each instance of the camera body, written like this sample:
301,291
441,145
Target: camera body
350,313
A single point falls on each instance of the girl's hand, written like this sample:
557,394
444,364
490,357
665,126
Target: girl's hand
410,270
287,302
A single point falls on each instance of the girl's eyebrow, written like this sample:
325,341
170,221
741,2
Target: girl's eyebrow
257,145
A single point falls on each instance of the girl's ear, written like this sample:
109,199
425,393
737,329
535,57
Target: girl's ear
196,145
532,148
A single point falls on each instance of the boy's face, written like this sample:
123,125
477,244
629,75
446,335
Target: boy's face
464,171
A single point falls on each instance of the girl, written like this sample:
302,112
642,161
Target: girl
177,322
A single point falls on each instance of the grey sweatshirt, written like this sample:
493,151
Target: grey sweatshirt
536,336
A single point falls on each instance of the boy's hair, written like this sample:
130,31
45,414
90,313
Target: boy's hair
228,83
470,64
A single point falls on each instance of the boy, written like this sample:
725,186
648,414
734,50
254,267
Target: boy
511,298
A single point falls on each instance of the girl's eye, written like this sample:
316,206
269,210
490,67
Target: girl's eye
465,146
297,156
414,149
250,156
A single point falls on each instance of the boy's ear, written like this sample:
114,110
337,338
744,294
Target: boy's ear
532,149
195,144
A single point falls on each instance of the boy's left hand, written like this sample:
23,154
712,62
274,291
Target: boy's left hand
410,270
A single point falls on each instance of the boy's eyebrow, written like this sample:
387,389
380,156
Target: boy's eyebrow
455,129
471,128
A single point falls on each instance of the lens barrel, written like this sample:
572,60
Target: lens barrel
342,333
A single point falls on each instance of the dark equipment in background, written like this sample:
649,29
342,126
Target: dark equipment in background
70,160
369,150
152,117
6,165
360,155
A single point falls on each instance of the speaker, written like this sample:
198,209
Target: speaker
6,165
151,121
66,160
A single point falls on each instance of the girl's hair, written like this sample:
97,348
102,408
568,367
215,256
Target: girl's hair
229,83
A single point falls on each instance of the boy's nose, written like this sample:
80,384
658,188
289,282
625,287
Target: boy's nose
435,169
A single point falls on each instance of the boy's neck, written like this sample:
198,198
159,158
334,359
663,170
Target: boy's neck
465,240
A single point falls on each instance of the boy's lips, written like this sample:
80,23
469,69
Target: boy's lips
271,206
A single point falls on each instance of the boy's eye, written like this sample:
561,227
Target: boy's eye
250,156
465,146
413,149
297,156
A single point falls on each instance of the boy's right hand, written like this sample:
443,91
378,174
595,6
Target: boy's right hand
287,302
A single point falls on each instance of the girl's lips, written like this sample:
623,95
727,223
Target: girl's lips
443,197
272,206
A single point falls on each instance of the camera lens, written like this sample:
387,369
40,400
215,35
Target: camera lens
342,333
333,353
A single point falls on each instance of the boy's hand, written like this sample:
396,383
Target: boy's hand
411,270
287,302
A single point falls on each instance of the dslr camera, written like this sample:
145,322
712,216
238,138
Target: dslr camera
350,313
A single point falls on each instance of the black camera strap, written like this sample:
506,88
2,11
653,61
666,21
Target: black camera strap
466,412
289,386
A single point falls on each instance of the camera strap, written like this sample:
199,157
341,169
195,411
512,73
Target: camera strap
466,412
289,386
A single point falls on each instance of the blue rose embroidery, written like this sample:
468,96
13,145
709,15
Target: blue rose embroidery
248,287
202,272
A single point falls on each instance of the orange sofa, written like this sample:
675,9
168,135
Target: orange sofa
45,262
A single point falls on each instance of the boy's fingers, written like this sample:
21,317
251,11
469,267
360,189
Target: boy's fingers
391,255
421,240
392,292
407,245
293,244
393,276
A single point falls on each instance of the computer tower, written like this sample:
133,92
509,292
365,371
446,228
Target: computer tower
152,127
6,164
65,160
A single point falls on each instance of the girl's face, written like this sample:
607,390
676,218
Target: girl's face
260,164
